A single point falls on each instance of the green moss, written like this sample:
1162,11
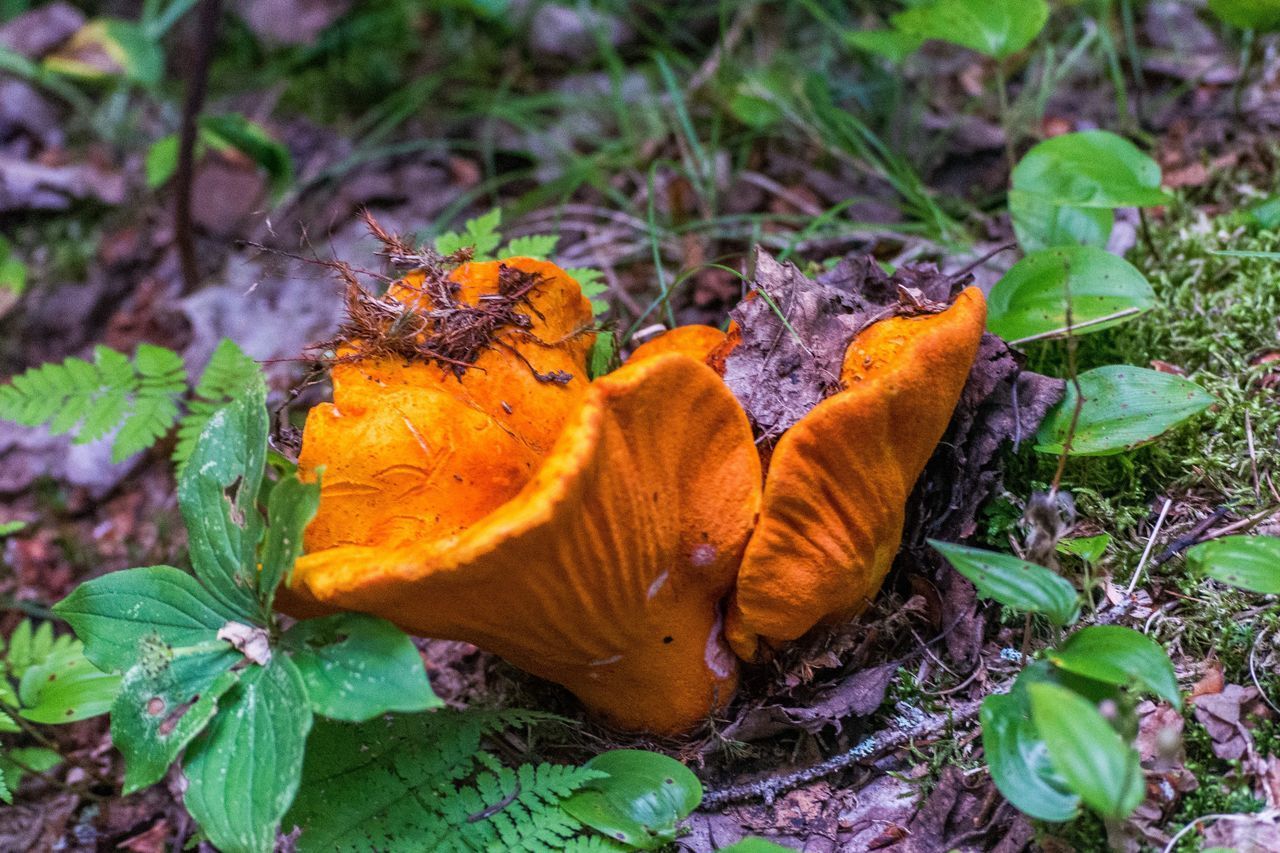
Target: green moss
1215,317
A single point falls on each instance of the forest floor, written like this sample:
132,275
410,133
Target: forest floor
661,144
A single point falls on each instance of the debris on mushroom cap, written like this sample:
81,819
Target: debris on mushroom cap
415,447
794,334
838,480
606,572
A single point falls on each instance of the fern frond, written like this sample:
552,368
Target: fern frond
538,246
593,287
229,374
479,234
91,399
162,379
426,784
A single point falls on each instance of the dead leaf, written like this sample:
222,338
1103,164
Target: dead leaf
1245,833
1223,715
1211,682
1001,405
795,330
39,31
250,640
290,22
153,840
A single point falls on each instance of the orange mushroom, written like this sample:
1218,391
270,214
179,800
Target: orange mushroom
588,533
838,480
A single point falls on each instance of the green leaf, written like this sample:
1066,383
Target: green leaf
110,47
8,528
15,763
411,772
291,507
1122,656
1261,15
162,377
13,272
1040,224
479,234
217,494
165,701
114,613
1019,761
65,687
1014,583
243,770
1095,762
1091,168
538,246
252,140
593,287
1267,214
1247,562
161,161
1088,548
604,354
1124,407
357,667
229,374
641,800
1031,299
996,28
755,845
893,45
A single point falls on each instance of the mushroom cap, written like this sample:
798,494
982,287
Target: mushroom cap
695,341
413,450
606,571
838,480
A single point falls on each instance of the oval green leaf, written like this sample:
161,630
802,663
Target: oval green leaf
640,802
1247,562
1039,224
357,667
1095,762
1124,407
1261,15
1121,656
1092,168
996,28
1013,582
1031,299
1019,761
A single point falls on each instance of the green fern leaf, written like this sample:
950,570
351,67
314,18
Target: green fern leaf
228,375
538,246
89,400
593,287
6,796
479,234
424,783
162,379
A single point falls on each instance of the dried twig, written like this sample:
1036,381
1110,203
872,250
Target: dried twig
879,743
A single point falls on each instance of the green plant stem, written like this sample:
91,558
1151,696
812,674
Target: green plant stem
1002,97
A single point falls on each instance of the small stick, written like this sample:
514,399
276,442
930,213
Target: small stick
1057,333
1137,573
1192,537
768,789
1253,457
